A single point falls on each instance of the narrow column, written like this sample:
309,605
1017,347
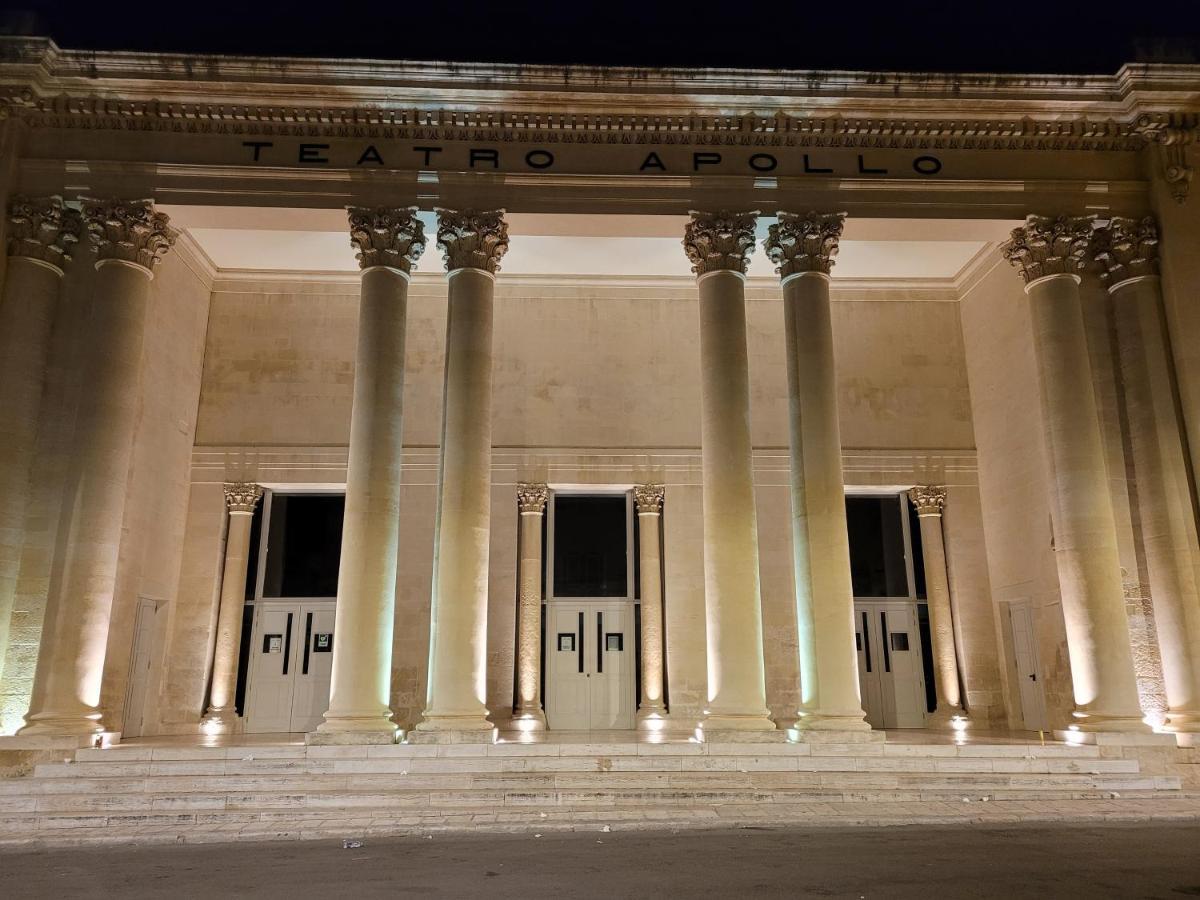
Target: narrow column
240,499
473,243
1127,250
130,238
803,247
929,501
528,713
1051,254
719,247
40,235
389,242
649,501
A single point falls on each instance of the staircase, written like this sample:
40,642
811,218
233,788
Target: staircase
176,794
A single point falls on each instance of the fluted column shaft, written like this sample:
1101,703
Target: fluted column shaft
388,241
803,248
929,502
240,499
1127,249
41,233
1050,254
531,500
473,244
719,246
130,238
649,501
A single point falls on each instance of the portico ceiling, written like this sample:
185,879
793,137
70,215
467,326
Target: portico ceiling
272,240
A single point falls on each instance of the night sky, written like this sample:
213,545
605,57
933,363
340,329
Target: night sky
967,35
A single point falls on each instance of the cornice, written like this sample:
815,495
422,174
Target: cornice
51,87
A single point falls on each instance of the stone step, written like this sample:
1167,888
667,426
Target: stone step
118,768
433,790
146,753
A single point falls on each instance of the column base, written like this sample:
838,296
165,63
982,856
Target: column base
834,730
527,720
846,722
735,722
465,729
1145,738
1182,722
332,738
1098,723
221,721
83,726
947,717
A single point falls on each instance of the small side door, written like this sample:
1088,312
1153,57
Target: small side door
870,665
903,675
612,673
1029,685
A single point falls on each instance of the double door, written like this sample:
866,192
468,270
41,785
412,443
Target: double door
890,669
291,660
590,665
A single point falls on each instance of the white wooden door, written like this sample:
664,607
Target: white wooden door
291,659
590,665
890,671
1029,685
145,631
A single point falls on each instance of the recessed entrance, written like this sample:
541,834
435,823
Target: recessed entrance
885,568
288,648
591,628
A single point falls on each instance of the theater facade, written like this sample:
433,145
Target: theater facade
375,401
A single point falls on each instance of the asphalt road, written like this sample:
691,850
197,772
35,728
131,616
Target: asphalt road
933,863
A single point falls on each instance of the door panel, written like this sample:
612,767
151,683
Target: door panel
144,632
890,672
315,665
1029,686
590,665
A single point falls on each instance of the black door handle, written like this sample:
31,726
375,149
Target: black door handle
887,655
599,643
287,644
866,641
307,643
581,642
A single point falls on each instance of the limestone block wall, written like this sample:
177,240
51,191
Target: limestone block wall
595,383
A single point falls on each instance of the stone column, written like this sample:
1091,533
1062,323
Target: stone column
528,712
240,499
130,238
40,235
719,247
389,242
929,501
803,247
1051,254
1127,251
473,243
649,501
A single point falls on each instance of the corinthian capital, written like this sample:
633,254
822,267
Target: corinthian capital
1126,248
472,240
42,228
719,242
132,231
649,498
805,243
1045,246
242,496
386,237
531,498
928,499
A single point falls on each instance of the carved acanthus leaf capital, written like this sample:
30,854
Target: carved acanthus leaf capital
42,228
1126,248
472,240
132,231
242,496
386,237
1048,246
928,499
531,498
719,242
805,243
649,498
